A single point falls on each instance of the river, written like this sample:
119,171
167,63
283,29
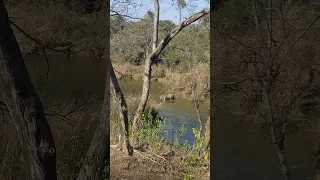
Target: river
238,153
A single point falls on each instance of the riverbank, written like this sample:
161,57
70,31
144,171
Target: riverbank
161,156
176,80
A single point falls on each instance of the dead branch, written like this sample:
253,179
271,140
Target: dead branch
38,41
115,13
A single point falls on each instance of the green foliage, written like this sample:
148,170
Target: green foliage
155,131
149,16
181,4
178,133
193,160
166,26
133,43
190,46
150,129
198,145
117,23
188,176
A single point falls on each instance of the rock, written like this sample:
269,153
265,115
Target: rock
168,97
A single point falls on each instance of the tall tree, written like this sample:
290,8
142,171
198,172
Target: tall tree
155,25
147,67
121,104
181,4
25,106
153,56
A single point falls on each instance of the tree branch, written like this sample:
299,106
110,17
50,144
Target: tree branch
38,41
176,30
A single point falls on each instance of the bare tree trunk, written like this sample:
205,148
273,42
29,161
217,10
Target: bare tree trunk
196,105
98,155
195,99
282,157
145,93
317,161
180,15
155,25
123,112
207,136
278,142
25,106
148,69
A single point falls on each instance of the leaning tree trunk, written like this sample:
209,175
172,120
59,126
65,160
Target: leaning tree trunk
278,142
207,135
154,55
145,93
120,101
98,155
147,70
317,162
25,106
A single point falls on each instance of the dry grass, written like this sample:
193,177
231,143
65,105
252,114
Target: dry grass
179,80
127,70
176,80
132,101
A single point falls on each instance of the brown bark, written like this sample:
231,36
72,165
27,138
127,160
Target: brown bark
196,105
154,55
25,106
98,155
207,135
195,99
120,101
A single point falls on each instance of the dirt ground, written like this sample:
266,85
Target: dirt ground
146,166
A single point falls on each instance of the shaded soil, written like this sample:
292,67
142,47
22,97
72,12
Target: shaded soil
145,166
